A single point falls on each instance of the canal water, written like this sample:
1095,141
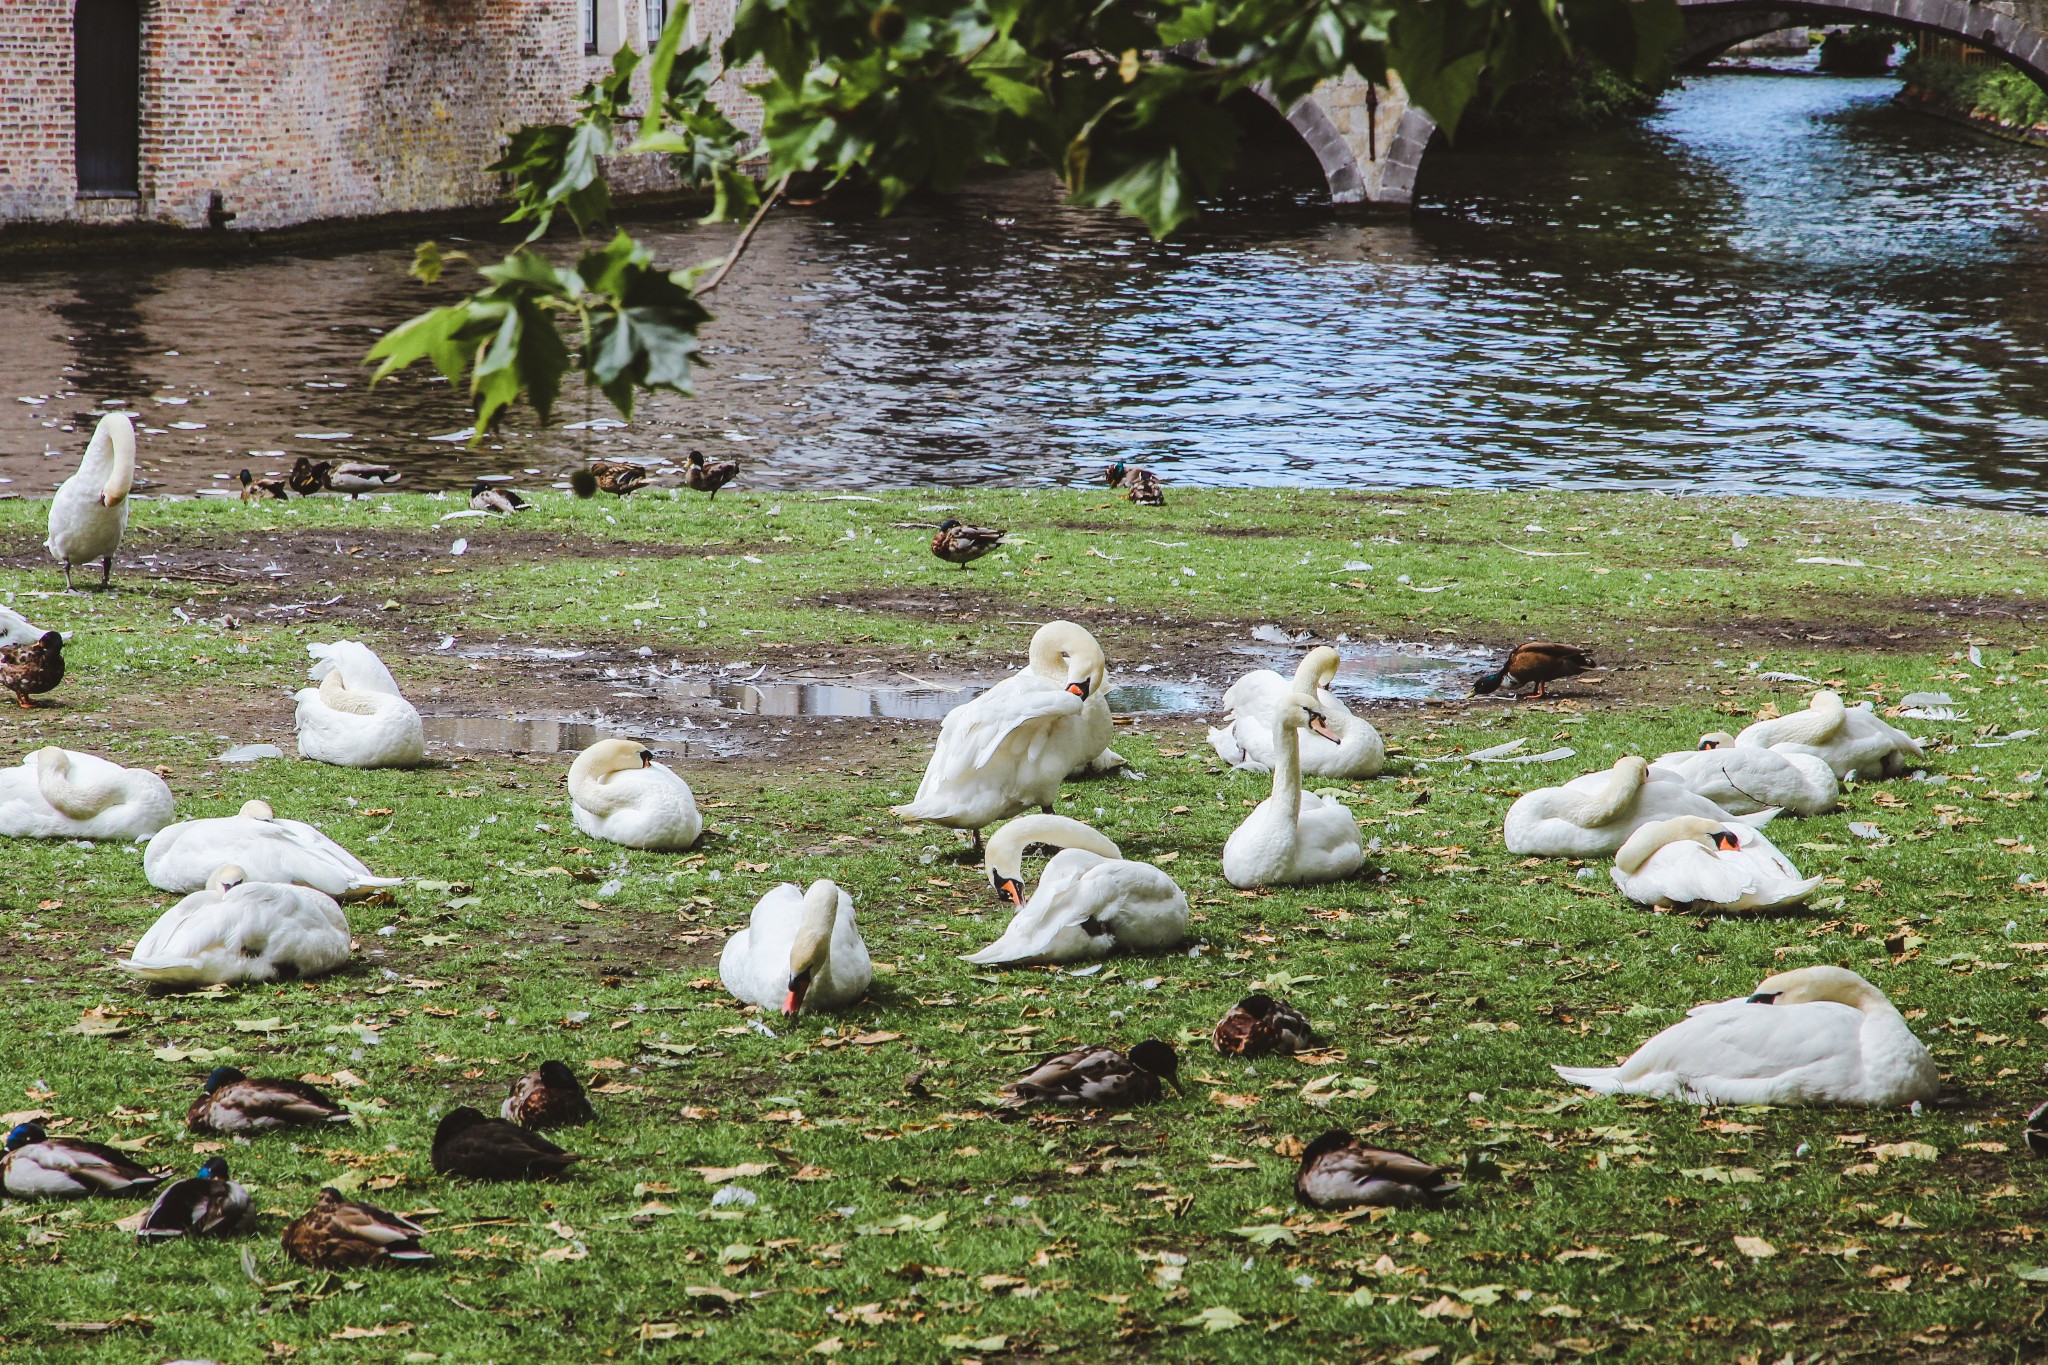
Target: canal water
1778,283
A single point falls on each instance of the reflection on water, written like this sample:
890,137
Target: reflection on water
1775,282
543,735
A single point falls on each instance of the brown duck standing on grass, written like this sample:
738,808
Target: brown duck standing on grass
1540,662
1340,1172
709,478
1141,486
232,1102
33,668
1097,1078
551,1097
962,545
255,489
1259,1024
341,1234
308,476
618,476
470,1144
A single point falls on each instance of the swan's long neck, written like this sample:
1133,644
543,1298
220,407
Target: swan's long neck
121,474
1816,723
813,943
76,799
337,696
1287,768
1639,846
587,785
1006,846
1610,802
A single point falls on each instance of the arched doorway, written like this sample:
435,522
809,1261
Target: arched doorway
108,85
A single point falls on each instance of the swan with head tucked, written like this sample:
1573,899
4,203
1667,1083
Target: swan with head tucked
183,857
1090,901
1708,864
89,515
1853,739
356,717
1009,749
1817,1035
617,792
1294,836
801,951
1592,816
1245,739
1743,781
62,794
239,930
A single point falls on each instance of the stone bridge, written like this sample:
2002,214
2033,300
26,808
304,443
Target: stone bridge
1370,141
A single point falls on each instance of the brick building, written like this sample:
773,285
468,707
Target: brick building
284,111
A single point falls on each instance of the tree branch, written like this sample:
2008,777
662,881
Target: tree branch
746,236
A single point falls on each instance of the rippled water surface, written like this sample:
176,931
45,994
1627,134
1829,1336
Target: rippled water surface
1775,282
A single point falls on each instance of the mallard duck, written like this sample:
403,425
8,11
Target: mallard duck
63,794
1294,837
208,1204
1097,1078
38,1166
341,1234
1010,748
237,930
89,514
1245,739
232,1102
32,669
800,951
485,497
356,479
469,1143
181,857
2037,1130
255,489
551,1097
1340,1172
308,476
1259,1024
1816,1035
356,717
618,476
1091,900
1705,863
1852,740
1593,815
1141,486
618,793
709,478
1541,662
962,545
1742,781
15,629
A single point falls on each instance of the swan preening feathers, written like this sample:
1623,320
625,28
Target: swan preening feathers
1294,836
1346,745
89,514
1090,900
801,951
1852,739
1743,780
617,792
356,717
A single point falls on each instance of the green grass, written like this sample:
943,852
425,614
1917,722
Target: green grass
891,1226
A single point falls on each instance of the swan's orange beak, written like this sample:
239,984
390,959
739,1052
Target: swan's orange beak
1322,727
799,987
1011,890
1079,689
1726,841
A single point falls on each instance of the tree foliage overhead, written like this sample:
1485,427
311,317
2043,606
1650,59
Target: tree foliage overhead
1125,99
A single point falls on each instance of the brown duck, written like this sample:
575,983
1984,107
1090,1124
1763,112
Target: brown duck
709,478
1259,1024
234,1103
1340,1172
551,1097
255,489
1097,1078
618,476
468,1143
1539,662
33,668
341,1234
1141,486
308,476
356,479
962,545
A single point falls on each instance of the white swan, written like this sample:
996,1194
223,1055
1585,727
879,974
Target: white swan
1593,815
1090,900
237,930
1245,739
1294,836
1853,739
1817,1035
15,629
184,856
62,794
356,717
1742,780
1690,861
89,515
1009,749
617,792
801,950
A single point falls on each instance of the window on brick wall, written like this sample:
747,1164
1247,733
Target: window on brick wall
590,48
657,19
108,81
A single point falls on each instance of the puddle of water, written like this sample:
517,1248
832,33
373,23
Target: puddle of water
497,734
844,701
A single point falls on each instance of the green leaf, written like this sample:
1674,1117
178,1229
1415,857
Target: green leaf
2035,1274
660,63
1266,1234
1216,1319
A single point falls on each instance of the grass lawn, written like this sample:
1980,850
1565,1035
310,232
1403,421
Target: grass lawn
895,1216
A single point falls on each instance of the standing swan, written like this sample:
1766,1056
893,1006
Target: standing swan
1009,749
90,512
1592,816
1851,738
1294,836
182,857
1817,1035
62,794
617,792
1090,902
801,950
237,930
1705,863
1245,739
356,718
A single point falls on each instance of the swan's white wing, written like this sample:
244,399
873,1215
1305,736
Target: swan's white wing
1256,692
15,629
1686,872
1743,1041
974,730
1063,899
361,669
